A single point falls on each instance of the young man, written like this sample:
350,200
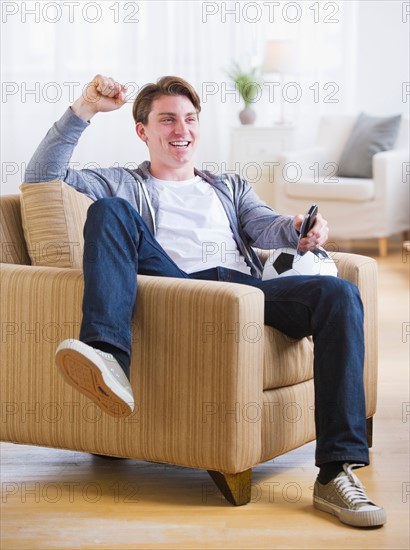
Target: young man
155,220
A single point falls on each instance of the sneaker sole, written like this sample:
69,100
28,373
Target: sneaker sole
83,375
356,519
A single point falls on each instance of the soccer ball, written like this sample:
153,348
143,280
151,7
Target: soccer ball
284,262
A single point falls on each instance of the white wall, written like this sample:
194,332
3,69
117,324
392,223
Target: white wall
383,48
365,53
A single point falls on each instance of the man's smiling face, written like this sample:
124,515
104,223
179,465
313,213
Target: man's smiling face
171,134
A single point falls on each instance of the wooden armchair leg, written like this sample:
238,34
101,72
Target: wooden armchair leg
369,429
236,488
383,246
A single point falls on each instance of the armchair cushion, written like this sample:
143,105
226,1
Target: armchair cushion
53,216
286,361
13,248
369,136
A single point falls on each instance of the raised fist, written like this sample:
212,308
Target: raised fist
103,94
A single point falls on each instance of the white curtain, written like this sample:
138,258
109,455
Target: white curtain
50,50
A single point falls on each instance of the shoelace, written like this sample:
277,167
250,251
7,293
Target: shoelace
352,489
114,371
110,357
104,354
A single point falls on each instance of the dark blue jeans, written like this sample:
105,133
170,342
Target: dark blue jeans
118,245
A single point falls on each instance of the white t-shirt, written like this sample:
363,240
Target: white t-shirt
193,228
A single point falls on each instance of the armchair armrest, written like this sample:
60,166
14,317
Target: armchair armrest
199,357
196,372
396,156
391,179
391,168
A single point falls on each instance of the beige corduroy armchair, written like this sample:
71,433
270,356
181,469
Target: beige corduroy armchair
215,389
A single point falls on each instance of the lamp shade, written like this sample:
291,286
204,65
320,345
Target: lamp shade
280,57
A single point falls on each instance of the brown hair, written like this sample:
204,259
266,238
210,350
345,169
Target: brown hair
167,85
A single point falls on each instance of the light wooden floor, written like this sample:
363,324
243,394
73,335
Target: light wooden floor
60,499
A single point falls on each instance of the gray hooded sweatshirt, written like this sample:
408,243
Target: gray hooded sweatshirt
253,223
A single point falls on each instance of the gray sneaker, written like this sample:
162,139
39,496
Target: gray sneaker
345,498
97,375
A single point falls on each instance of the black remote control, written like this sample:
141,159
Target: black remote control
308,221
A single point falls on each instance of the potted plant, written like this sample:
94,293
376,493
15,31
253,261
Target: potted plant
247,84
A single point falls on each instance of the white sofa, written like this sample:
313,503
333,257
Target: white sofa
356,208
